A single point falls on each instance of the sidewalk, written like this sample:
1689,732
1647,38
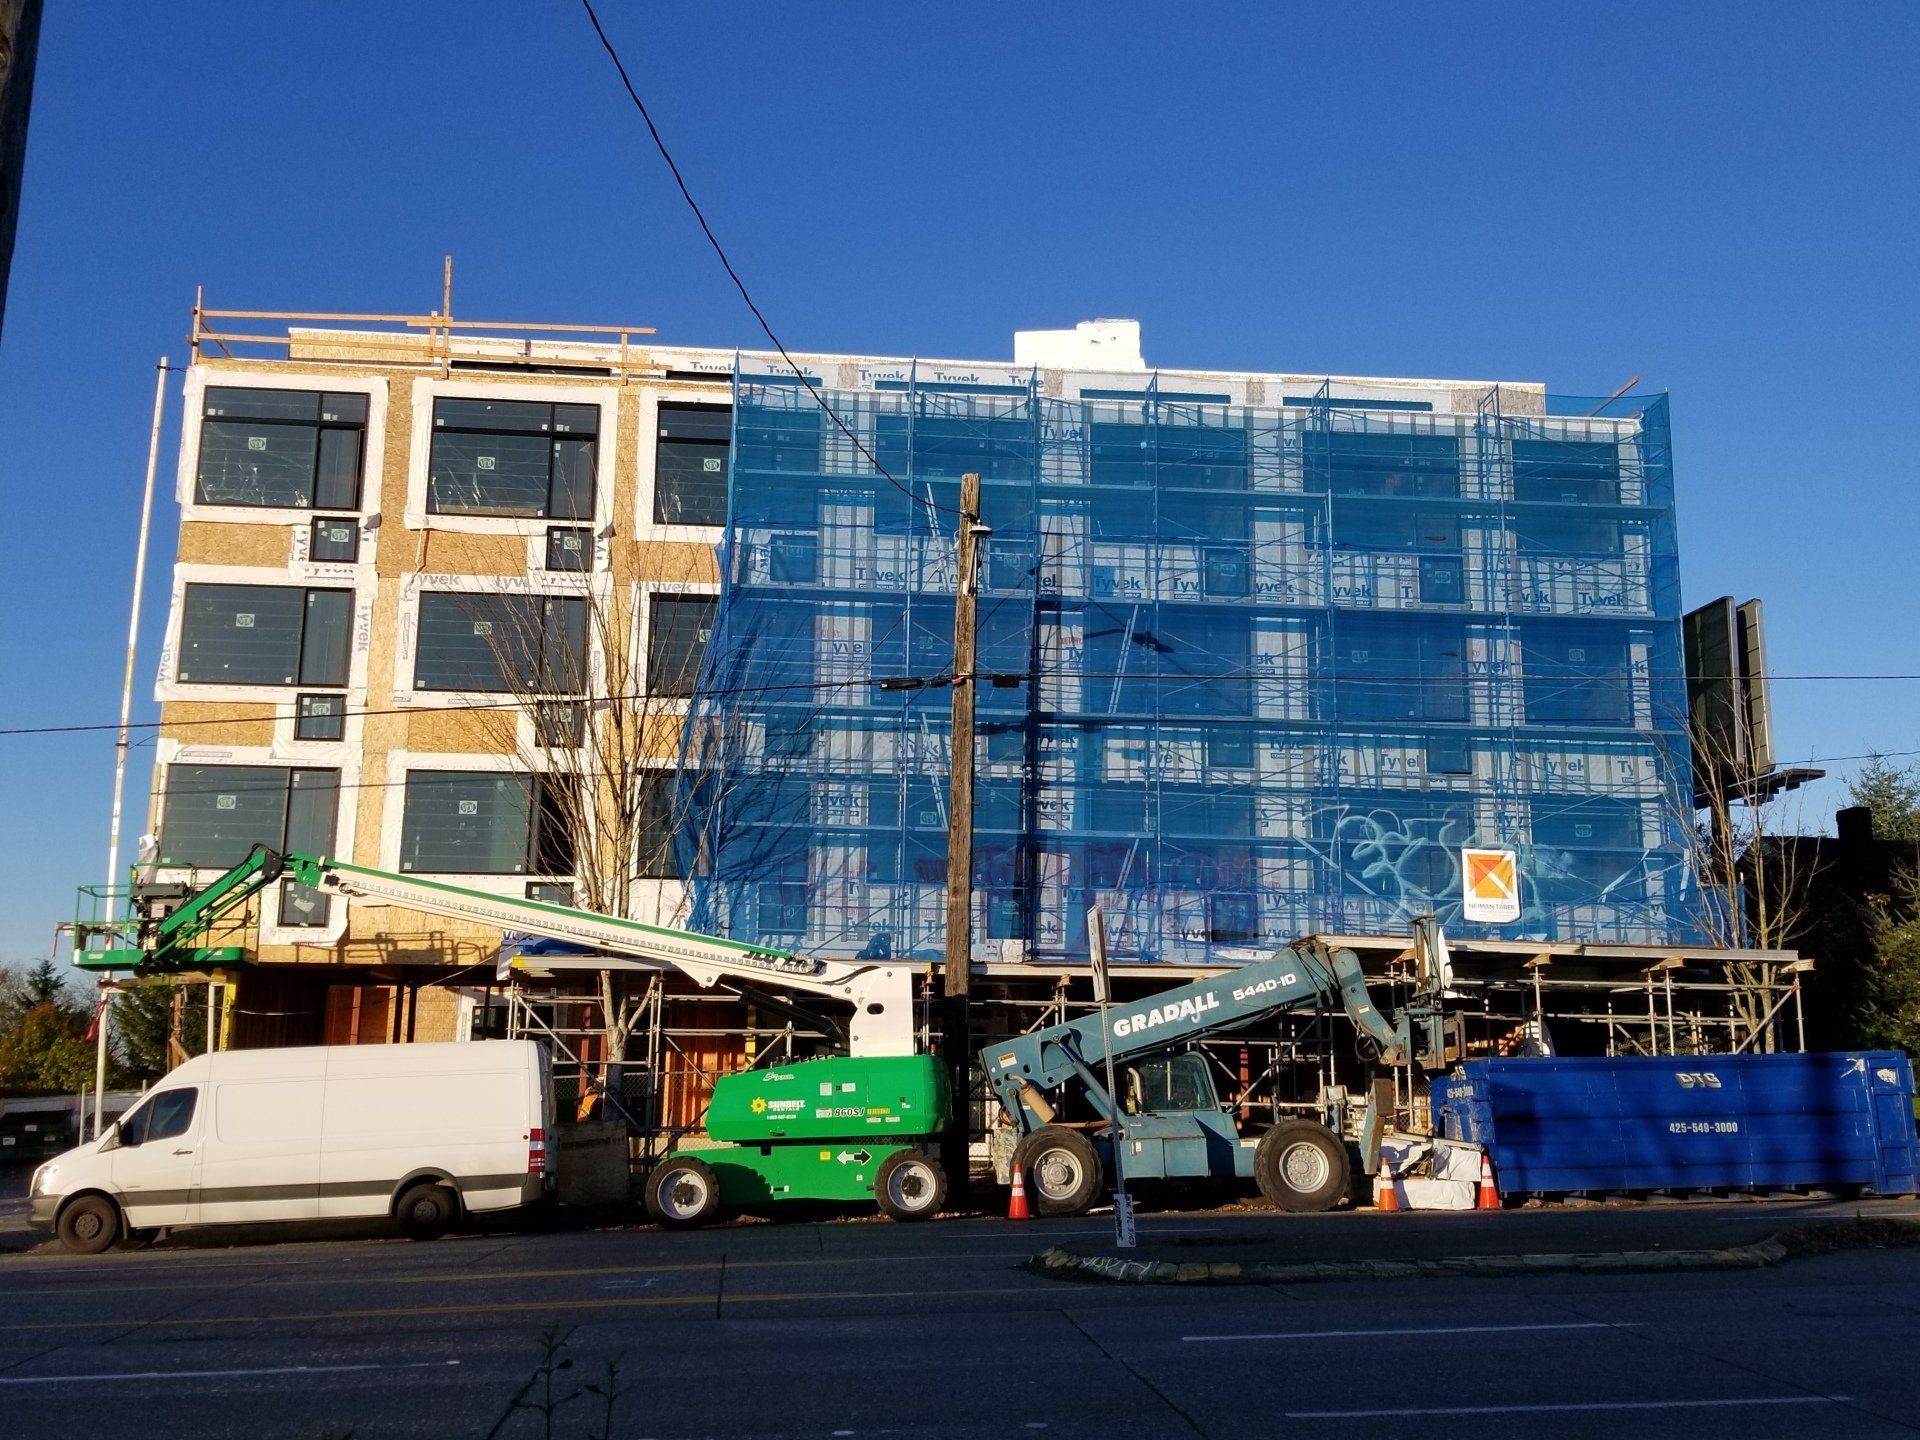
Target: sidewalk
1263,1247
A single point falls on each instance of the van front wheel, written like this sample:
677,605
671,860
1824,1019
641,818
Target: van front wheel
90,1224
426,1211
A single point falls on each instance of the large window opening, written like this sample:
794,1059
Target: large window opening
486,823
295,448
690,465
213,815
264,635
678,629
501,643
513,458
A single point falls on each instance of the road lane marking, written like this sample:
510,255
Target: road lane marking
609,1302
1432,1330
472,1276
217,1374
1557,1409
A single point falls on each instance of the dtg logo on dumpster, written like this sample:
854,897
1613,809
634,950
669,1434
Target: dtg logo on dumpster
1166,1015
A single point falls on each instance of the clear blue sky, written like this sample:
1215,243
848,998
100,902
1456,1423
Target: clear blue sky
1718,197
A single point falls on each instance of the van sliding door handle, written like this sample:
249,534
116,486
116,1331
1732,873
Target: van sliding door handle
183,1152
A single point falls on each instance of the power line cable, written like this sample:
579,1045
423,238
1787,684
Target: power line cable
1022,676
734,275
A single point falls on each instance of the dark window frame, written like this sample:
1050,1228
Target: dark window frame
301,646
321,424
305,711
673,445
537,845
288,785
352,557
545,665
551,432
687,681
557,536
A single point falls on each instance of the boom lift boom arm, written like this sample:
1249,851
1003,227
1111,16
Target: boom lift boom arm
881,994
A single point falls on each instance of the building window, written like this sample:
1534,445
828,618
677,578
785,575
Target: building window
678,628
559,724
512,458
690,465
1209,457
656,827
212,815
334,541
264,635
1358,463
569,547
302,907
320,717
1576,675
547,892
486,823
295,448
501,643
1567,472
1393,669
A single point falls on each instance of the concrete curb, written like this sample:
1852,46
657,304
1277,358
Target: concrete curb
1059,1264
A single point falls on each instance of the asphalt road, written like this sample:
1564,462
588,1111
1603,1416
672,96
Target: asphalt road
842,1331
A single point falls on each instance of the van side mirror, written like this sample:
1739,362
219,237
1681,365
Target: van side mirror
111,1140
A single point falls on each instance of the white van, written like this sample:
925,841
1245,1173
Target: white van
423,1133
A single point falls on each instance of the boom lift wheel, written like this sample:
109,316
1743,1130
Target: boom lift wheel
683,1192
1302,1167
1062,1170
910,1186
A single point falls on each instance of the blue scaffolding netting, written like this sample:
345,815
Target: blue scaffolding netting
1258,672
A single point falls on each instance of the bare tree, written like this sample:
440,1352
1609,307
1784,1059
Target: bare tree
1755,876
599,746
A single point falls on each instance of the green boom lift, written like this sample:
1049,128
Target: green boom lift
847,1129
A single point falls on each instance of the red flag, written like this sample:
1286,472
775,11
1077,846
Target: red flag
99,1013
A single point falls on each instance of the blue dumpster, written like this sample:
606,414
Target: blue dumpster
1736,1122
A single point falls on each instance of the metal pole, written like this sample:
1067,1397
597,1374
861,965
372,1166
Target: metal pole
1123,1229
212,987
126,715
957,1026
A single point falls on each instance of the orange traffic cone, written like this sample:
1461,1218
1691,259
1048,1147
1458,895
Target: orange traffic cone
1386,1196
1489,1196
1017,1202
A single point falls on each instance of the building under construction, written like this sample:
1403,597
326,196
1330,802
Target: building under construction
1259,656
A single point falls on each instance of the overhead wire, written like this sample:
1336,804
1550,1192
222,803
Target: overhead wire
660,144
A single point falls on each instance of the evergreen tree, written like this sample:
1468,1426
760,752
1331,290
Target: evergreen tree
1892,796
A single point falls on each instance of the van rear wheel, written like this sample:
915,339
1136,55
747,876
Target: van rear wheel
426,1211
89,1225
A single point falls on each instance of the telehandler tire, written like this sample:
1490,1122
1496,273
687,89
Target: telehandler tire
910,1185
1302,1167
1062,1170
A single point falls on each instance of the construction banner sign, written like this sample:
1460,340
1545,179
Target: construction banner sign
1490,886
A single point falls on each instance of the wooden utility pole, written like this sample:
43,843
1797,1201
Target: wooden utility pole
956,1031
